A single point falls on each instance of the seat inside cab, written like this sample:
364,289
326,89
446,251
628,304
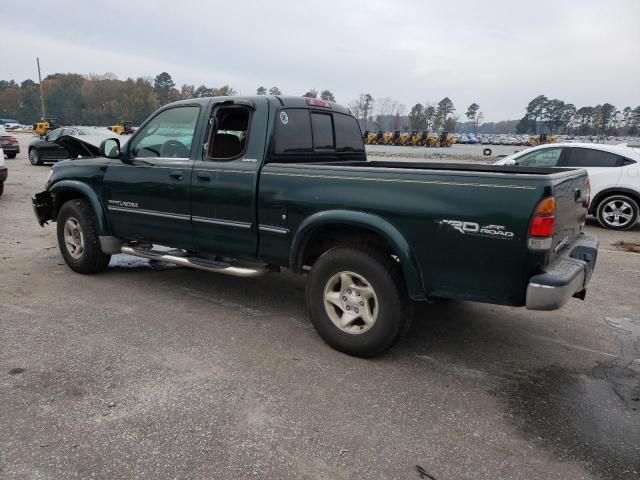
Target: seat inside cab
230,139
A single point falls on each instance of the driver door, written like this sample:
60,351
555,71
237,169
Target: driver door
149,198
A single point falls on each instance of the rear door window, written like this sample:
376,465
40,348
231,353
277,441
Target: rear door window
546,157
586,157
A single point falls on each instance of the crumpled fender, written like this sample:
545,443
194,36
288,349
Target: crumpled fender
88,194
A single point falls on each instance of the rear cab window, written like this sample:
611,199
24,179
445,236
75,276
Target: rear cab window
303,134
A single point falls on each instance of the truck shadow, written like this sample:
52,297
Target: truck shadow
581,414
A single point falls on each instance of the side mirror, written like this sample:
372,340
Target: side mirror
110,148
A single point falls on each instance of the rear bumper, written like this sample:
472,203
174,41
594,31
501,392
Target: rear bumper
566,278
13,148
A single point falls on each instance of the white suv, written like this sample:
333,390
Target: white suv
614,175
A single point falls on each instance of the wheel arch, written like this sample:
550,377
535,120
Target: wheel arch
608,192
66,190
322,230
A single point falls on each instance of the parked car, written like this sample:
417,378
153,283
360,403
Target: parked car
614,174
3,171
247,185
9,144
47,150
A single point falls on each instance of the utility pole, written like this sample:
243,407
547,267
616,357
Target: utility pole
41,91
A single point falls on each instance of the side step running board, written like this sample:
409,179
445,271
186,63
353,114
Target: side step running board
199,263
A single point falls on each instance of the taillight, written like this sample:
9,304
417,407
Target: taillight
542,225
13,139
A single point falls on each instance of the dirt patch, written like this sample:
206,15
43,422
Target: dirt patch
633,247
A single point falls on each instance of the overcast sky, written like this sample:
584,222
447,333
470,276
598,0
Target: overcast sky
499,54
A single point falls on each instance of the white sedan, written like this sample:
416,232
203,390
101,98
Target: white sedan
614,175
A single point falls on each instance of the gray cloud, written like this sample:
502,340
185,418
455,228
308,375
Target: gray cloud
499,54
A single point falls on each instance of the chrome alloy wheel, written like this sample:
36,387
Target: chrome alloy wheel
351,302
617,213
73,238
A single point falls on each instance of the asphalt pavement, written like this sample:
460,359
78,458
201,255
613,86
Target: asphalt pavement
154,372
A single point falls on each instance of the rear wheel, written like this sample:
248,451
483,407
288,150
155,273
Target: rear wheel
617,212
11,155
34,157
78,238
1,188
357,300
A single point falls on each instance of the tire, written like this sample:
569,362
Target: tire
11,155
358,274
1,188
78,238
617,212
34,157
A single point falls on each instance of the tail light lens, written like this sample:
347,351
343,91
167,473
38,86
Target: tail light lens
542,225
13,140
587,196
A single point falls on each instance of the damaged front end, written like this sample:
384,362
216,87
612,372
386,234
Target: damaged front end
43,205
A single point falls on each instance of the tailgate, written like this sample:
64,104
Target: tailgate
572,199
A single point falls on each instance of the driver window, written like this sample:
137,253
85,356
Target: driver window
168,135
546,157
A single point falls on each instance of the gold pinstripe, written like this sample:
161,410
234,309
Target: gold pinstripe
393,180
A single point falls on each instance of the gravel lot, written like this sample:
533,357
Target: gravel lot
152,371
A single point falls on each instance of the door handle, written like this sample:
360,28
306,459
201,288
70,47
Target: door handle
203,177
176,175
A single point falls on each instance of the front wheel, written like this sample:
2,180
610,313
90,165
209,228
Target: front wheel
357,300
34,157
78,238
617,212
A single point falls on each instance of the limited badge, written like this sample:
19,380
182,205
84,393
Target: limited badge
284,118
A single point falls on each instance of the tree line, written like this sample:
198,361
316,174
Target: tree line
96,99
543,114
104,99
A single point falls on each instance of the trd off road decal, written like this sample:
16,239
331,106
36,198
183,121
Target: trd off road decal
284,118
476,229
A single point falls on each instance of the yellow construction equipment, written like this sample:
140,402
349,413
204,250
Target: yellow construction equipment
387,138
418,138
431,140
122,128
541,139
402,138
445,140
45,125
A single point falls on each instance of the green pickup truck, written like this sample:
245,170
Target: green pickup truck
247,186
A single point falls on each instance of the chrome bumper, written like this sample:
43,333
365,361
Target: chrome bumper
566,278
